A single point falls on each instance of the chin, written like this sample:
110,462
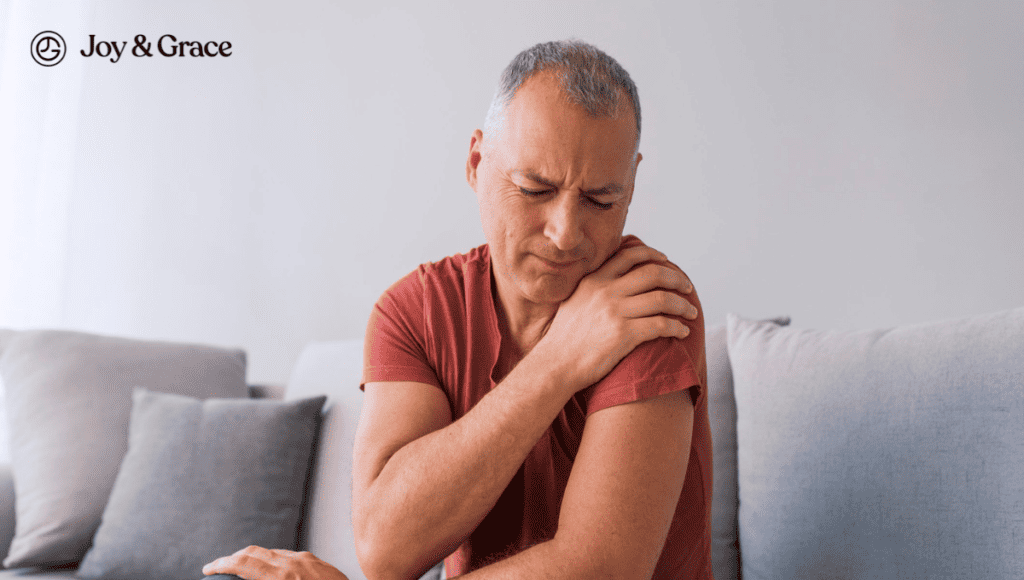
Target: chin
552,291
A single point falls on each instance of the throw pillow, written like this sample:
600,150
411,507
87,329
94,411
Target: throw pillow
201,480
891,453
68,403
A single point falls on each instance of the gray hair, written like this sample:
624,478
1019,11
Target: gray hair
588,77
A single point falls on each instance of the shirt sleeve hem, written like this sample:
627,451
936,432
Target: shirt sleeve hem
398,374
652,387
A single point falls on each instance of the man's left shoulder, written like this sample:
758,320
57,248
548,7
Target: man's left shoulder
696,325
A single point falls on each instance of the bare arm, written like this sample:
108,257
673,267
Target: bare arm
402,497
620,499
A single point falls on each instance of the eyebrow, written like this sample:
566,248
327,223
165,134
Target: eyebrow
610,189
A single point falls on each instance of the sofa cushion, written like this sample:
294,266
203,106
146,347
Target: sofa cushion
68,403
333,369
59,573
892,453
725,555
202,480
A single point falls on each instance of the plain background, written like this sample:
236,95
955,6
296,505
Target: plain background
852,164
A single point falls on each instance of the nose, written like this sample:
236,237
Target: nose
564,224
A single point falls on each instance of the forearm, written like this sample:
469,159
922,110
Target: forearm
433,492
557,559
535,563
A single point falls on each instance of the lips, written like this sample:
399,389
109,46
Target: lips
557,265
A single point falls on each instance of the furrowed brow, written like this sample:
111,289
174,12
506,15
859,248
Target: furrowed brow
538,179
610,189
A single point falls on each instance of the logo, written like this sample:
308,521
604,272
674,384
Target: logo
48,48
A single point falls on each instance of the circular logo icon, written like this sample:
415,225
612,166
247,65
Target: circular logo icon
48,48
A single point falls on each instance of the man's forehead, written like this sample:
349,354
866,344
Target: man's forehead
540,109
546,87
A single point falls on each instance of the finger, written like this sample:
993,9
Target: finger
218,566
250,562
687,283
651,276
626,259
653,327
658,302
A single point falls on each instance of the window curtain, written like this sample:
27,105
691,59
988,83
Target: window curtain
39,111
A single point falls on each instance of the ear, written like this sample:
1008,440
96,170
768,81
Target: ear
632,181
473,161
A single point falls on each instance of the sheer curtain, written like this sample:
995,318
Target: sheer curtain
39,109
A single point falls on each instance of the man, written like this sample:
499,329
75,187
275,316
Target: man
536,408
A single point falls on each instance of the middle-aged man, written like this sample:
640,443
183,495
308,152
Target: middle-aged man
535,408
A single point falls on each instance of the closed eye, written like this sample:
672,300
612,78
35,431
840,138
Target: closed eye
533,192
586,199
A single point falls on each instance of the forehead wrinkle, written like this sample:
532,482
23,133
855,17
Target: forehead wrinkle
613,188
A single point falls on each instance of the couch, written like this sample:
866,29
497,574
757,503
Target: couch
890,453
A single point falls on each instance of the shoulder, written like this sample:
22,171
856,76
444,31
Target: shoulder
433,297
458,269
416,320
656,367
444,276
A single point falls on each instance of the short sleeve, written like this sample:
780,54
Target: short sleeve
395,345
656,367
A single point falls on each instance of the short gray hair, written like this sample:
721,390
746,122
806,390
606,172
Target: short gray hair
588,77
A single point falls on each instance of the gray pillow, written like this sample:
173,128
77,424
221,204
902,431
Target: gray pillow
895,453
201,480
68,403
725,540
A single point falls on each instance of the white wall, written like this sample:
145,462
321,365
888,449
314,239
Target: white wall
851,164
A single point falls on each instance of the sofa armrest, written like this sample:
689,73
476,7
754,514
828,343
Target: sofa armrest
6,508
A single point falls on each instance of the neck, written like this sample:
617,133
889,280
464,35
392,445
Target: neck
521,322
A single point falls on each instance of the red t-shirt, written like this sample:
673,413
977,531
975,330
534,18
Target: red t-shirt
438,326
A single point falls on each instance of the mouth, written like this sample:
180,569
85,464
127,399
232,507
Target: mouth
557,265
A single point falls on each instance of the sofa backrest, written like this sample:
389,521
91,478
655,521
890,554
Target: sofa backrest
887,453
333,369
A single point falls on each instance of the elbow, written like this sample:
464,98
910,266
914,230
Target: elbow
372,552
373,541
392,547
380,557
375,563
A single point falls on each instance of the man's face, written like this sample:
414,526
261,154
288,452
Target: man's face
554,185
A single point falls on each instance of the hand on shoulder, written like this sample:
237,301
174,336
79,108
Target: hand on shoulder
634,297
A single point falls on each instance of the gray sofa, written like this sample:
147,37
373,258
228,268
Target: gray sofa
895,453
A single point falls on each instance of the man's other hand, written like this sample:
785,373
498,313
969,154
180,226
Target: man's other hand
634,297
256,563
